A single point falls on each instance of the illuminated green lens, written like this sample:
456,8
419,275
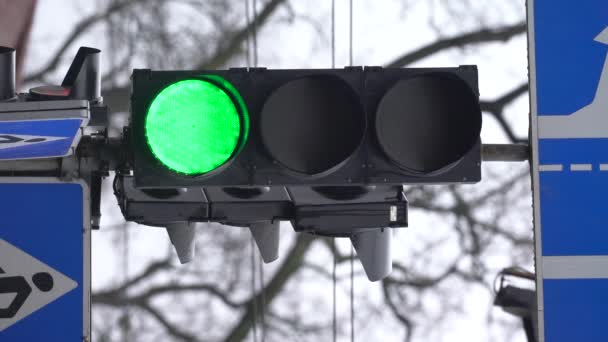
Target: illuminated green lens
193,127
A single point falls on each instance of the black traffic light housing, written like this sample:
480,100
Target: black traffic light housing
351,126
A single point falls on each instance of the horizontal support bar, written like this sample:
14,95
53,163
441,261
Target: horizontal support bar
110,152
505,152
30,165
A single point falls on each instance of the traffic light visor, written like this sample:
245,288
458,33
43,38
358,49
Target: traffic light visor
195,126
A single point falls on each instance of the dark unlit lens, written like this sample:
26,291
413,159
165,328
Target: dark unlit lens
428,122
312,124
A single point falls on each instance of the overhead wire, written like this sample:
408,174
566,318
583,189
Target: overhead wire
126,315
262,298
350,33
260,261
352,254
352,294
253,292
254,308
333,34
255,34
333,276
252,51
248,39
333,242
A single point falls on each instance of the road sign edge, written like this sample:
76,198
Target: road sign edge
534,168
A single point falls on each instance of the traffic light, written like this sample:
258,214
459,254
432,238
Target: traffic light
258,127
327,150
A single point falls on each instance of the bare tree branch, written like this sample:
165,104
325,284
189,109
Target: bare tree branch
484,35
117,98
78,30
497,108
175,288
119,296
170,327
419,281
144,275
500,189
233,46
406,321
293,262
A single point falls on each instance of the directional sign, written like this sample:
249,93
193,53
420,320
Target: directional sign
44,260
18,140
37,139
41,129
569,131
19,271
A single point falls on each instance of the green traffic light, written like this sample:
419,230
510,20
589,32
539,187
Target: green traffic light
194,126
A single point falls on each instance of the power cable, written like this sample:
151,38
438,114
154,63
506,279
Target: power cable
253,293
352,254
248,40
333,241
350,33
255,33
250,33
333,275
126,317
333,34
261,263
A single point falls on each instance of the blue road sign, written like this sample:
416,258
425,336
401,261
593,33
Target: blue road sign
41,129
569,127
44,260
38,138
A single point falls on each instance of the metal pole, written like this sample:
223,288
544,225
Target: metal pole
7,73
505,152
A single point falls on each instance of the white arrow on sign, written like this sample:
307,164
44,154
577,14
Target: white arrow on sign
588,122
17,140
26,284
